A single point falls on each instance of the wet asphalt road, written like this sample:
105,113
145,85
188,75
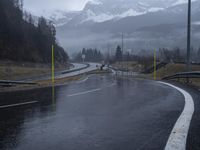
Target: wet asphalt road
102,113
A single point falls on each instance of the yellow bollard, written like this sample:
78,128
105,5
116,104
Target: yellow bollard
155,64
53,80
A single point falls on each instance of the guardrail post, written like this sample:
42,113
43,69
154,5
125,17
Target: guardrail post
188,80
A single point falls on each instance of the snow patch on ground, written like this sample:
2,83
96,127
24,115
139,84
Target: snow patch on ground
155,9
104,17
99,18
130,12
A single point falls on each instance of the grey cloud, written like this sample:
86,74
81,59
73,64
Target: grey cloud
37,7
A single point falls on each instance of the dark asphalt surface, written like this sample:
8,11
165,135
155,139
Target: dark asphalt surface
102,113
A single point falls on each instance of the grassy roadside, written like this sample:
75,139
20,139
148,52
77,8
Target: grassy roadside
172,69
130,65
168,70
48,83
14,71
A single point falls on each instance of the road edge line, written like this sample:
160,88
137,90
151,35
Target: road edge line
84,93
178,137
82,80
18,104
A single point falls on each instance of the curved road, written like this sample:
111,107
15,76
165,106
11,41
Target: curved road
64,73
91,67
101,113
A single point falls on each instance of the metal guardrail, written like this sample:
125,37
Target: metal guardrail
183,75
10,83
73,70
115,69
123,72
48,76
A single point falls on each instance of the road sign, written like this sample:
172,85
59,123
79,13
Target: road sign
83,56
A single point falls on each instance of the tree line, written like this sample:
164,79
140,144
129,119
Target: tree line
91,55
163,54
23,40
144,57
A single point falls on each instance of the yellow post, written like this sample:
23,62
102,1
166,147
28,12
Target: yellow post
155,64
53,80
53,64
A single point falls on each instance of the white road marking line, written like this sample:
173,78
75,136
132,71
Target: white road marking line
83,93
81,81
178,136
19,104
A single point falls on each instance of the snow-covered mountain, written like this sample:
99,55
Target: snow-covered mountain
145,23
59,17
104,10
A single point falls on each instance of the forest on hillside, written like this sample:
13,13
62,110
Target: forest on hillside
21,39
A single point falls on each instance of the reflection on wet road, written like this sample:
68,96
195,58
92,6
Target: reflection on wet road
101,113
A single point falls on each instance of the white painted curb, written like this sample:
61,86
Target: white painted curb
178,136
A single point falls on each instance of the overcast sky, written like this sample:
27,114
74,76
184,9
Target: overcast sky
38,6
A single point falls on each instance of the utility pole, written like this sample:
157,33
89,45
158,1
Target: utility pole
189,35
122,43
122,51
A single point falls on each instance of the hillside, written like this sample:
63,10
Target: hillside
21,39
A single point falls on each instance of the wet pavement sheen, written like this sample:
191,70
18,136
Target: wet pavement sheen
122,115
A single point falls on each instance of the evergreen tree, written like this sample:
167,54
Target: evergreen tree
198,55
118,55
21,40
92,55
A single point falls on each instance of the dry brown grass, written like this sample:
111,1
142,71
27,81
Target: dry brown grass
48,83
40,84
172,69
131,65
16,71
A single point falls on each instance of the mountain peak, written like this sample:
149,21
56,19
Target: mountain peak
104,10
